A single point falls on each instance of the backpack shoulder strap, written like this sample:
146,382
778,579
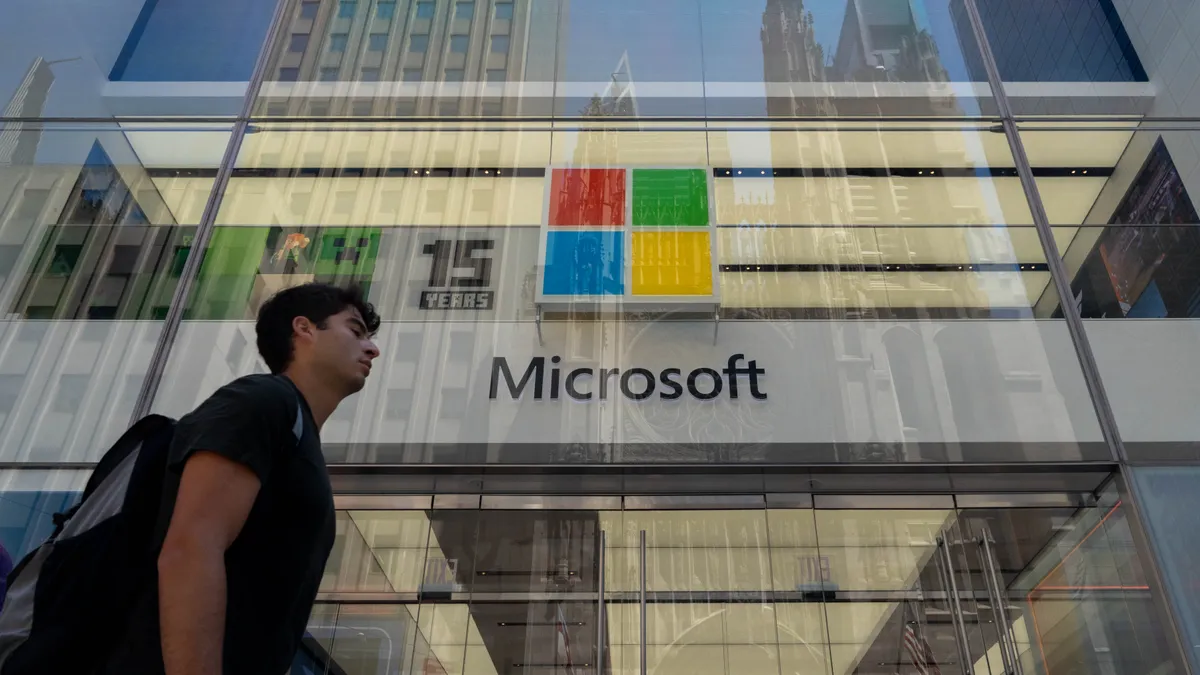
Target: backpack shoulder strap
298,425
141,430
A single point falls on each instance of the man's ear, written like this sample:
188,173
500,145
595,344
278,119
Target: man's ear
303,328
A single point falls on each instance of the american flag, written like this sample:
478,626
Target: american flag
918,649
564,642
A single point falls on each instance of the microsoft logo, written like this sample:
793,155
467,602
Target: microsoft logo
627,235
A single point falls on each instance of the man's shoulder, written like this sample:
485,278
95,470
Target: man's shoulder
260,383
262,394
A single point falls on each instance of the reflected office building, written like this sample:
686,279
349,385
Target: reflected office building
720,337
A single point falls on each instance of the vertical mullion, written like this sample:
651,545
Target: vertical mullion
1058,270
208,218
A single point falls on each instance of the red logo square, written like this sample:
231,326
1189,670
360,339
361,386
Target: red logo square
583,197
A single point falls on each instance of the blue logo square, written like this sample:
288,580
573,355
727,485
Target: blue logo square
584,262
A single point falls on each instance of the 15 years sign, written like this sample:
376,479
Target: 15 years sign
438,274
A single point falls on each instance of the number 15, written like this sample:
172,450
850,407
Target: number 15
464,259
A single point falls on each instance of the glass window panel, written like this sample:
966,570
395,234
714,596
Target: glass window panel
496,75
385,10
1091,51
353,566
537,44
330,74
797,57
1129,249
93,61
346,9
298,43
370,75
367,639
27,501
95,226
1165,493
601,41
308,10
289,74
899,58
538,557
454,75
412,74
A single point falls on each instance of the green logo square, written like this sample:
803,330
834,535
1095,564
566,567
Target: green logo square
670,197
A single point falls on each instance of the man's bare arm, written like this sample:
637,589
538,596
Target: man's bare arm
215,497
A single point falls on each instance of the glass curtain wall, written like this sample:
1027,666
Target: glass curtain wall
692,199
854,222
649,209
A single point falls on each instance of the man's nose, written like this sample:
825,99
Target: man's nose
372,350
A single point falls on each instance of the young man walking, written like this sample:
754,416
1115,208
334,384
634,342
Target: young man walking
252,519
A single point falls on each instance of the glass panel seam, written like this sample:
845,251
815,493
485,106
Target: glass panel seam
208,219
1058,271
770,583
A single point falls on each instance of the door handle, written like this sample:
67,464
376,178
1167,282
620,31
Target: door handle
600,604
995,600
643,599
956,616
1008,638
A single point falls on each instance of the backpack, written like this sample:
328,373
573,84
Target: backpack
70,600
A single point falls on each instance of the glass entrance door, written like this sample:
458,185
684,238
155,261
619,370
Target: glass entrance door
751,585
745,585
1070,593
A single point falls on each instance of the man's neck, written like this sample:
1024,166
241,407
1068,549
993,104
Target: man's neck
321,400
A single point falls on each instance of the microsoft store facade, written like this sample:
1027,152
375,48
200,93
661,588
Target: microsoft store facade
720,337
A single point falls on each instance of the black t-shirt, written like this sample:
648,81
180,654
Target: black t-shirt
275,565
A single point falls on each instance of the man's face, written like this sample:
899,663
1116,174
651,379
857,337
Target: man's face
344,351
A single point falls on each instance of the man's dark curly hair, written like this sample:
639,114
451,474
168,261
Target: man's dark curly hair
314,301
